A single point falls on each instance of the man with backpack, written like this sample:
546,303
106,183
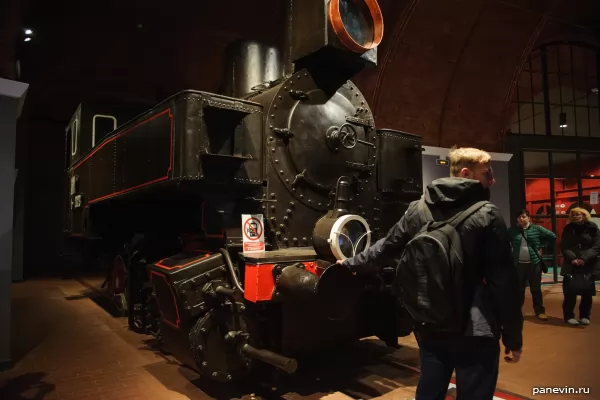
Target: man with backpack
456,276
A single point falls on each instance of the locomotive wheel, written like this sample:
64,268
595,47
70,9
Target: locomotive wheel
116,285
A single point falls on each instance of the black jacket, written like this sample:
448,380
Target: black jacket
581,241
495,298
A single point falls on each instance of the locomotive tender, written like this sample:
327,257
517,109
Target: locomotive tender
287,154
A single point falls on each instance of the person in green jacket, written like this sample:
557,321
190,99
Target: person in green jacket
527,240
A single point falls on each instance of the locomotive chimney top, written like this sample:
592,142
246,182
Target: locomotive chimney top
341,35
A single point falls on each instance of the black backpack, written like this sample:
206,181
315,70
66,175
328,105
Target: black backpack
431,272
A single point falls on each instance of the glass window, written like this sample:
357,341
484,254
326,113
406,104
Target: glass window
564,164
562,121
595,122
572,97
590,164
537,196
566,192
561,222
590,191
546,222
583,119
102,125
566,195
535,163
74,132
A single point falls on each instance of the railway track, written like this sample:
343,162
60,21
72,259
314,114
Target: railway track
366,370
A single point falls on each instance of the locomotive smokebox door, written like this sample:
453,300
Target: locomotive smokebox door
343,34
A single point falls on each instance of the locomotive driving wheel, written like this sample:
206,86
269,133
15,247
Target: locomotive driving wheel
116,284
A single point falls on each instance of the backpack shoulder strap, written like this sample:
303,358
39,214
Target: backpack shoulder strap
462,216
424,212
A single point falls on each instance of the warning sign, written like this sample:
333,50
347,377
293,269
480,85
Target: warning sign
254,233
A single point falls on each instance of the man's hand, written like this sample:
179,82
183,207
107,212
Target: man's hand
515,355
341,261
580,261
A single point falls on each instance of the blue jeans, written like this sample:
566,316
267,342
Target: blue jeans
475,360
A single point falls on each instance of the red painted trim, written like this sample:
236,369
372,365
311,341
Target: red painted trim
163,178
259,283
172,267
168,110
173,324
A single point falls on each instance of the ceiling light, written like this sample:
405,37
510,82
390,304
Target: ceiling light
28,32
595,90
563,120
27,39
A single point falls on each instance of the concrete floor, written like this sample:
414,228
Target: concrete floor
68,347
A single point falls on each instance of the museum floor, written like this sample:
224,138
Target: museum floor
68,347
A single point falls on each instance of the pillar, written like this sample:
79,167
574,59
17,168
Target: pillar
12,96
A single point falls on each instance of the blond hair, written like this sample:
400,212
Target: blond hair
582,211
466,157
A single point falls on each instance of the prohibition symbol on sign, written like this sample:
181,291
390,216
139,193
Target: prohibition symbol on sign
253,229
254,234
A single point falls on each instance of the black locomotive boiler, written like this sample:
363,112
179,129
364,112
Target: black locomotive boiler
224,213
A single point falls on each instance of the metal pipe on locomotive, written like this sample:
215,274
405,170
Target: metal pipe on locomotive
291,145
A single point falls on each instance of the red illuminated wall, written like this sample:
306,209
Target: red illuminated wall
537,195
589,167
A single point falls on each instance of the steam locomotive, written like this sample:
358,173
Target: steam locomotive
225,212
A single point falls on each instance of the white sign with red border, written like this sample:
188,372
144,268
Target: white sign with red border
253,232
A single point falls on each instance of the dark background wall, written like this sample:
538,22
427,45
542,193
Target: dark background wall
447,70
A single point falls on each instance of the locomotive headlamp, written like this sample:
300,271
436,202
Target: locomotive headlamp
357,23
341,237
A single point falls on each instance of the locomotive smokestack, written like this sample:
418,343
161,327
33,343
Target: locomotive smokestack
249,63
288,63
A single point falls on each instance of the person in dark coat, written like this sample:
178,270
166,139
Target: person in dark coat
580,244
527,240
493,302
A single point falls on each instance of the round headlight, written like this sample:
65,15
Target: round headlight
341,237
357,24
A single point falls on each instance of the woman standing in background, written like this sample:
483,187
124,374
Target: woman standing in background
580,246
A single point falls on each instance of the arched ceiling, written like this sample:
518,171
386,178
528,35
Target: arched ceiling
452,69
446,67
